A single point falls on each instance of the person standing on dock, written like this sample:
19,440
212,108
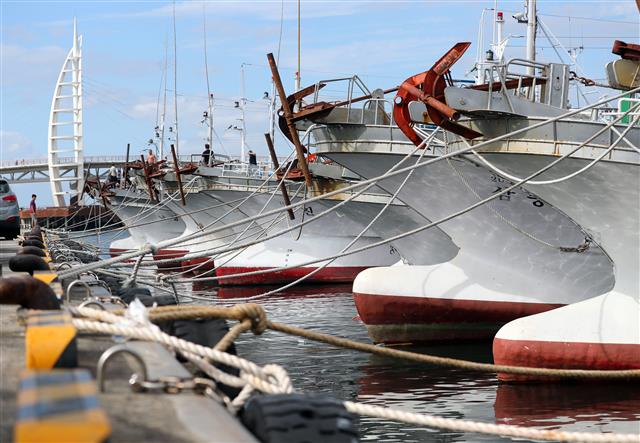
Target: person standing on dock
33,210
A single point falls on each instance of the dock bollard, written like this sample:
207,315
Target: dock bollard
59,405
50,340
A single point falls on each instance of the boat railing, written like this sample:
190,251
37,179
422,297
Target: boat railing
354,85
380,115
545,83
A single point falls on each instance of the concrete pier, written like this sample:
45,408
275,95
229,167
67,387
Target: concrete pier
140,417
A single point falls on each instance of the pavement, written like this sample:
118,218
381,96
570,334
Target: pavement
150,417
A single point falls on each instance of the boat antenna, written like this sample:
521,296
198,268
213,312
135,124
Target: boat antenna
298,72
175,79
206,73
161,123
272,105
242,104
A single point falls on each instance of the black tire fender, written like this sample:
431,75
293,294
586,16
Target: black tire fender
27,263
298,418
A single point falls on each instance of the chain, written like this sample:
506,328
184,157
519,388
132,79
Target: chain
172,385
585,81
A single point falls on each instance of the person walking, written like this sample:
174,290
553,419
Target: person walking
33,210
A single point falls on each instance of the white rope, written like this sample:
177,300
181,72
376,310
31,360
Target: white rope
253,374
575,173
486,428
273,379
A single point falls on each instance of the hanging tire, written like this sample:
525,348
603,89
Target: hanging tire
299,418
33,242
27,263
32,250
129,294
114,283
207,332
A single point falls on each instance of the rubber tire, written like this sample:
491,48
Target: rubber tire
298,418
27,263
31,250
33,242
129,294
114,283
208,332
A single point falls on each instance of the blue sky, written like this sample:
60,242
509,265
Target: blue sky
124,43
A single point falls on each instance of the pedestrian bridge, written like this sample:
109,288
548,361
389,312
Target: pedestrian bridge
37,170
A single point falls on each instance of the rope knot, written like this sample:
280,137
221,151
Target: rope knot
253,312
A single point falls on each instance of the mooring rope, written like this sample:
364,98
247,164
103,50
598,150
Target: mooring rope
167,243
273,379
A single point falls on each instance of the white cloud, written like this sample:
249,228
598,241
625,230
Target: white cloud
13,143
21,64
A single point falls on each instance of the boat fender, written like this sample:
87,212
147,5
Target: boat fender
129,294
27,263
289,418
33,242
114,283
28,292
207,332
32,250
33,236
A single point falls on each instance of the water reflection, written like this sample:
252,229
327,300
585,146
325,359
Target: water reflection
345,374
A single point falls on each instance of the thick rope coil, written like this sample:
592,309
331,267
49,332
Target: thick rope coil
274,379
486,428
236,313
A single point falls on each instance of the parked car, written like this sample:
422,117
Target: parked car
9,212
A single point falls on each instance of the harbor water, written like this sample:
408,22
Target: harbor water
451,393
414,387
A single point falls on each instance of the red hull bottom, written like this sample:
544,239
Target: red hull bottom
330,274
199,266
164,254
117,252
397,319
565,355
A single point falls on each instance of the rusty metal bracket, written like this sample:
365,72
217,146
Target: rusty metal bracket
428,87
276,165
288,115
176,169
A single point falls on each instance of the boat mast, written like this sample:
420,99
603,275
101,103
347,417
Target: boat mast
243,102
298,79
531,34
164,98
206,72
175,79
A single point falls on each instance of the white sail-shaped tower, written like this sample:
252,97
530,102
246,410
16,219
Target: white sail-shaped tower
65,128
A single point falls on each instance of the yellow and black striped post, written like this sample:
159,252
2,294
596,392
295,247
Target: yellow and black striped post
50,340
60,405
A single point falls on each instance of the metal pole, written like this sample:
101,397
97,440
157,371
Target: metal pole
302,161
125,173
276,166
175,76
176,168
298,72
152,193
531,34
243,128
